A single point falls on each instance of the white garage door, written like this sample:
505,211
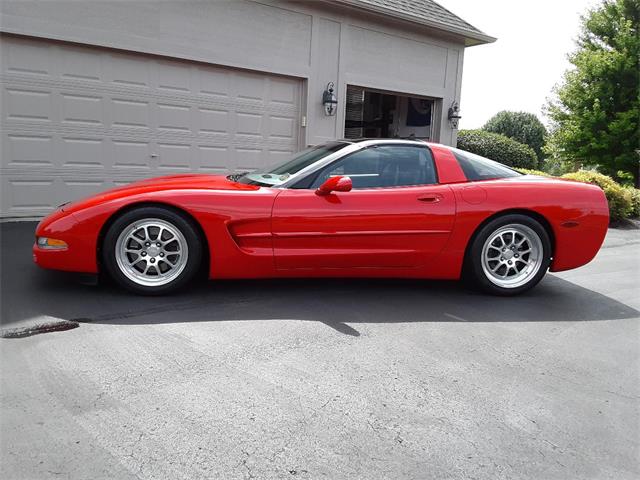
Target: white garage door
77,120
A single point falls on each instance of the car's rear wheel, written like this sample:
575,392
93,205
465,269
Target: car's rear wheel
152,250
509,255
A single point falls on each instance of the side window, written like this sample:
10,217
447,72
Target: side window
384,166
476,167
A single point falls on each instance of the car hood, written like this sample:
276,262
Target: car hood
185,181
169,182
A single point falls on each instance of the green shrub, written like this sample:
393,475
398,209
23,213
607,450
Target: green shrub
523,127
634,193
497,147
528,171
619,198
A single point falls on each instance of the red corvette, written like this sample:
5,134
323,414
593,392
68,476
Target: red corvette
369,208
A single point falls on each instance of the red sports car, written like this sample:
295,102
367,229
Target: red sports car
368,208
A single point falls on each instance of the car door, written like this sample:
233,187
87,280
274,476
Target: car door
396,215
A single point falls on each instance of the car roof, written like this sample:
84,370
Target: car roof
368,142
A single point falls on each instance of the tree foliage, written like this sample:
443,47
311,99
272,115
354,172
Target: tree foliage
521,126
497,147
596,110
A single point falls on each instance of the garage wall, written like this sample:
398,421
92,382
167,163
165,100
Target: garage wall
76,120
304,45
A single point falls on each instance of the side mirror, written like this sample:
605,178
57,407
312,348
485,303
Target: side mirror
335,184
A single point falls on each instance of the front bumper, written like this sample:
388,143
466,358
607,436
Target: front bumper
80,254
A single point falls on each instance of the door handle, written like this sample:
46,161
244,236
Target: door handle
430,198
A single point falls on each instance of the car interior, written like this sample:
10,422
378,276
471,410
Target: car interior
385,166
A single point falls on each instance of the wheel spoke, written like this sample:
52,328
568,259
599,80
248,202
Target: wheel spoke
502,255
151,252
168,260
165,262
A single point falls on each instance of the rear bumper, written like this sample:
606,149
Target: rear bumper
578,240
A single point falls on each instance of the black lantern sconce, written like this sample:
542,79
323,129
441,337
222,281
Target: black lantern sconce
454,114
329,100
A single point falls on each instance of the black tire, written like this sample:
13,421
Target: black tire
475,274
166,216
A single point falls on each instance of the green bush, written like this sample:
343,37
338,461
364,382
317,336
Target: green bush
634,193
497,147
523,127
619,198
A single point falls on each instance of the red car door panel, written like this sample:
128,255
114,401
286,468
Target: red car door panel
377,227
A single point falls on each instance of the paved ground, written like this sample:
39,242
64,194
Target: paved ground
324,379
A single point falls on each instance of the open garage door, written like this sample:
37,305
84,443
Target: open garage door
374,113
77,120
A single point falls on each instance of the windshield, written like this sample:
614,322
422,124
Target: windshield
278,174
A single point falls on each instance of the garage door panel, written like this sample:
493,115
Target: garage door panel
174,156
30,197
214,82
282,127
174,76
83,152
174,117
284,91
28,57
213,120
29,105
98,117
82,109
129,70
129,113
213,159
28,150
131,154
249,124
80,63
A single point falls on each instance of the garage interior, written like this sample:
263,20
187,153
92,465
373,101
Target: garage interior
377,114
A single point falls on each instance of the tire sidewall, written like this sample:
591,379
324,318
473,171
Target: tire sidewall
474,260
179,221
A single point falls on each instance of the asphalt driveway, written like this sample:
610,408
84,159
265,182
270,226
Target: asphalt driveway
323,378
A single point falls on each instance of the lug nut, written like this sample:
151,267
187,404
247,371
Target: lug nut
147,244
144,254
517,256
509,262
158,244
504,249
153,260
501,259
161,254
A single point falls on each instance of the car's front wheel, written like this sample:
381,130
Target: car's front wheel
152,250
509,255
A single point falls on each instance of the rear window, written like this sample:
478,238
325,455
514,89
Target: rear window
476,167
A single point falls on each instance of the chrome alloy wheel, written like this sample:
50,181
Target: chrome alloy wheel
512,255
151,252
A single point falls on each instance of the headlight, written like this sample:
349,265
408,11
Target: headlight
51,243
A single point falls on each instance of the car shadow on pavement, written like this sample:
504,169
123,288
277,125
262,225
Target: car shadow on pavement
29,292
